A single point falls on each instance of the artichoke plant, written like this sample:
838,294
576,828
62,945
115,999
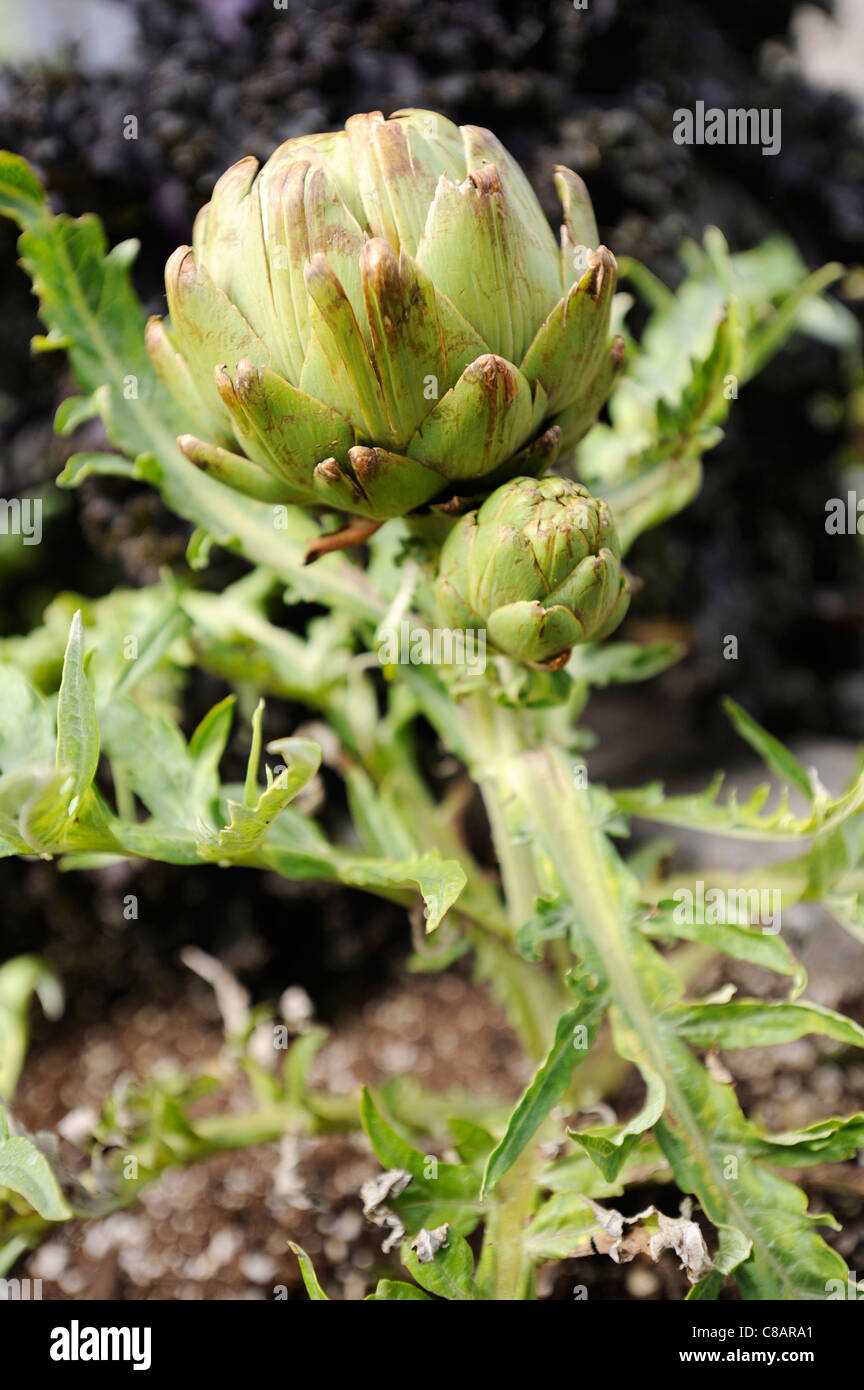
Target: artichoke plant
539,567
380,319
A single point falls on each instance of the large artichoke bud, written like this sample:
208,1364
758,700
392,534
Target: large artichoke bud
380,318
539,567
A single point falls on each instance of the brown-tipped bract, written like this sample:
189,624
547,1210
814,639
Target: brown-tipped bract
380,318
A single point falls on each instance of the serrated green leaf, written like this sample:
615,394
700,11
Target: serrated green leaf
789,315
551,922
772,752
440,881
746,820
248,825
728,316
578,1173
21,194
833,1140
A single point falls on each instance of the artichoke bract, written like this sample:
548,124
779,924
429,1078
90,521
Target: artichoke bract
380,318
539,567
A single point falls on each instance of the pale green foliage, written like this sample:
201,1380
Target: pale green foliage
697,352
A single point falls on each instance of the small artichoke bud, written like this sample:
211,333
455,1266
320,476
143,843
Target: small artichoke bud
539,567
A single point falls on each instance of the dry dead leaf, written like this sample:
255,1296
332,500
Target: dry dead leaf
375,1194
427,1242
232,1000
678,1233
716,1068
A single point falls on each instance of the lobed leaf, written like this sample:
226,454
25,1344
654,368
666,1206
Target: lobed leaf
748,819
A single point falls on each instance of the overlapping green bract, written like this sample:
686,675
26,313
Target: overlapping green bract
381,318
538,566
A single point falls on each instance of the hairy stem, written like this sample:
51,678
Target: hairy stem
511,1271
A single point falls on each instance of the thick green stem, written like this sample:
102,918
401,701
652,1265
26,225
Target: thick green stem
561,820
534,998
515,859
516,1198
496,740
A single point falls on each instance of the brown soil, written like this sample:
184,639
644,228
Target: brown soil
218,1229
